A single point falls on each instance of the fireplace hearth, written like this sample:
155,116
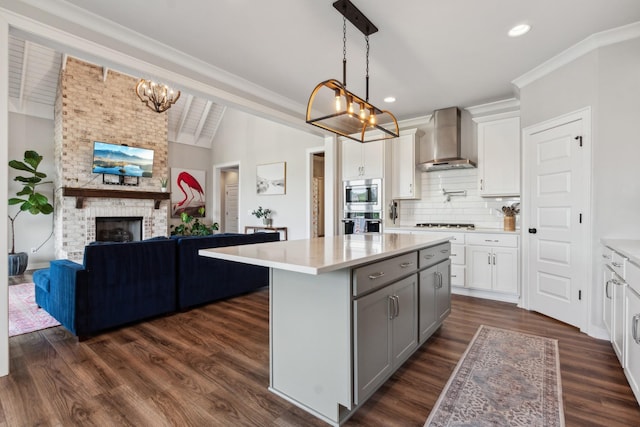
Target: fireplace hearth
118,229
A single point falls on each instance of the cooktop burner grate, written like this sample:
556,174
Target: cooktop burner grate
445,225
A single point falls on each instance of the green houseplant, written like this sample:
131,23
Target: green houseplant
191,226
29,200
265,214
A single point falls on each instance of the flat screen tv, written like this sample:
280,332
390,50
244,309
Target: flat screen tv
122,160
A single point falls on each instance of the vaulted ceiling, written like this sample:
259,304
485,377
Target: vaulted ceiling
34,72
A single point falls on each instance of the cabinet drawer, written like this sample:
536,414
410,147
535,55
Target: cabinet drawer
457,238
504,240
434,254
633,276
618,264
457,254
374,275
458,273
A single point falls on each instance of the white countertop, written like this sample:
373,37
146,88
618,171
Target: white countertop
401,228
324,254
628,248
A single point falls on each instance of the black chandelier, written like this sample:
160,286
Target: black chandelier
340,111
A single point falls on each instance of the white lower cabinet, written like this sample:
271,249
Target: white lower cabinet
617,289
492,262
632,340
385,333
434,298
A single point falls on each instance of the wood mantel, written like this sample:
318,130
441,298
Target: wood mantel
81,193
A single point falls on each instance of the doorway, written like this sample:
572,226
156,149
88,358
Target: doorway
316,218
227,196
556,245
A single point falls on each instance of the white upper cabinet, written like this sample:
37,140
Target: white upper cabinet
499,155
362,160
405,176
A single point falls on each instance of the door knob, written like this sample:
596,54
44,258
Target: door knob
533,230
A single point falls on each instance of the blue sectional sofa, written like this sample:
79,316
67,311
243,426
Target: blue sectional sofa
202,280
122,283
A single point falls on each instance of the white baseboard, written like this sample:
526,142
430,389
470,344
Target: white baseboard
477,293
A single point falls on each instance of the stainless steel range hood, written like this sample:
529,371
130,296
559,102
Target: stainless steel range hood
442,150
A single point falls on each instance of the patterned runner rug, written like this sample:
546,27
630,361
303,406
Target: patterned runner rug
504,378
24,314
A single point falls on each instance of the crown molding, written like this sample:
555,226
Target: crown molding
505,105
591,43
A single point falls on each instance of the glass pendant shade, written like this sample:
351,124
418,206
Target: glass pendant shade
333,108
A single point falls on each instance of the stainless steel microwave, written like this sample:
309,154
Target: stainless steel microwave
363,195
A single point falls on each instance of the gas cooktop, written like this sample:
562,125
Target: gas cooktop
445,225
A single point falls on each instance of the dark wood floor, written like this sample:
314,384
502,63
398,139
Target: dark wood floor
209,367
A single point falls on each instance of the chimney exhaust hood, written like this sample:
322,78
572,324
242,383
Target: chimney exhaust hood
441,151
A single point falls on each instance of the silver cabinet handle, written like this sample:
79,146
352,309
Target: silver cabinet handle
481,184
391,307
489,240
428,256
444,251
634,328
606,256
397,299
453,255
438,284
616,264
494,259
453,275
606,289
489,259
377,275
406,264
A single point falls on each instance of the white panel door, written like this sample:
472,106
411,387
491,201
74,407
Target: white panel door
557,270
231,208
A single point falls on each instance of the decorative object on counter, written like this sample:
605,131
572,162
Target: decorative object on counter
265,214
29,200
271,178
191,226
342,112
158,97
510,216
503,378
163,184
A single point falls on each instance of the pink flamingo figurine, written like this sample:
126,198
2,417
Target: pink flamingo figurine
192,183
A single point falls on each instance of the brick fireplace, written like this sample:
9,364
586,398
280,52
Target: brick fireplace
90,109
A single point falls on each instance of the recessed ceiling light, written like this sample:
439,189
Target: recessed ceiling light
389,99
519,30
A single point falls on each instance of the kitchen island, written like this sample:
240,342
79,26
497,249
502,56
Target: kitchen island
347,311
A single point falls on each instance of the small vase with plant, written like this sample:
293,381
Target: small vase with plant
163,184
191,226
29,200
265,214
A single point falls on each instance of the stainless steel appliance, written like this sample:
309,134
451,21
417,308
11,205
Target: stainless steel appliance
446,225
362,222
363,195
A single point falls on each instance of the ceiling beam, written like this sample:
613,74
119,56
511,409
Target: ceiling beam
23,74
183,117
222,109
202,121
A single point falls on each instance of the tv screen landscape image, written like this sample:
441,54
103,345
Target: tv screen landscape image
122,160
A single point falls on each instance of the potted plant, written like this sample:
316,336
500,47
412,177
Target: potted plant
510,213
29,200
265,214
191,226
163,184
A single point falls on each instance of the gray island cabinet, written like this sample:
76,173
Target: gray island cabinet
347,311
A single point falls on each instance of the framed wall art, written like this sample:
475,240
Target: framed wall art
271,178
187,192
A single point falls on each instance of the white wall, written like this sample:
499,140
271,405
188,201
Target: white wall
607,80
31,133
251,140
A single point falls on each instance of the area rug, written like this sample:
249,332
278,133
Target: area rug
24,314
504,378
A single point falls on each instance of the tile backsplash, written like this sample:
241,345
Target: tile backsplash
484,212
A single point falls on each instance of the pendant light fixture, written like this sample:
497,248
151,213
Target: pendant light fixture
342,112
